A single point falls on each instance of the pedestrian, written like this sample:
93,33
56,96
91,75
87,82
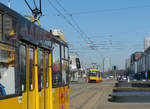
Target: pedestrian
84,76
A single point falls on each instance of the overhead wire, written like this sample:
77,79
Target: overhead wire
82,33
37,11
65,18
34,3
76,26
92,45
110,10
70,15
28,5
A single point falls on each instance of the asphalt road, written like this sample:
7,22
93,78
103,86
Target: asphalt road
95,96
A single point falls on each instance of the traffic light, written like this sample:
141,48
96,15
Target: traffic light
114,67
78,63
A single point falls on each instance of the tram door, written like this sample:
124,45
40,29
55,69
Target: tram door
26,58
98,75
43,77
46,80
31,77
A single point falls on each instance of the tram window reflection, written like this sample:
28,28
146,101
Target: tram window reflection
9,28
31,68
22,59
8,76
93,73
40,69
65,68
62,51
64,71
56,65
0,27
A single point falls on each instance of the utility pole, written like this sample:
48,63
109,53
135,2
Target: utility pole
8,3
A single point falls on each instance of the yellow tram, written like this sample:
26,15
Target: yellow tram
33,65
94,75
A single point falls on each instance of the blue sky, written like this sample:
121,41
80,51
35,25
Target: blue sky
126,21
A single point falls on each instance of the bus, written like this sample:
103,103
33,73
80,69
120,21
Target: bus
94,75
34,70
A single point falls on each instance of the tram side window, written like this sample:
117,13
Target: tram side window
67,67
31,68
40,69
56,65
0,27
66,53
22,59
62,52
9,77
65,70
10,25
98,74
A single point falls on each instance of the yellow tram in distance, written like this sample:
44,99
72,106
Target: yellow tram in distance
34,64
94,75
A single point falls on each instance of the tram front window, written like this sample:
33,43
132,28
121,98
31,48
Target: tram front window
93,73
8,75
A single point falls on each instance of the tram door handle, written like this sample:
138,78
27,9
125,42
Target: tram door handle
23,88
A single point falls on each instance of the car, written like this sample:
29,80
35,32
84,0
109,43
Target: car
108,78
111,76
143,79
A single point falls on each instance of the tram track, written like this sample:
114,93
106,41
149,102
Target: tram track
85,95
87,101
95,96
91,102
82,90
90,96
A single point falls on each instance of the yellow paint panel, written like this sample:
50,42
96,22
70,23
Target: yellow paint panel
41,99
47,96
93,78
95,70
31,100
55,98
24,101
10,103
61,97
67,97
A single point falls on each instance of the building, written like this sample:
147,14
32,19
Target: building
133,62
0,27
146,42
127,65
106,64
75,68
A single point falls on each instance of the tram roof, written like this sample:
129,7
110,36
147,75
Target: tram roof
45,36
95,70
